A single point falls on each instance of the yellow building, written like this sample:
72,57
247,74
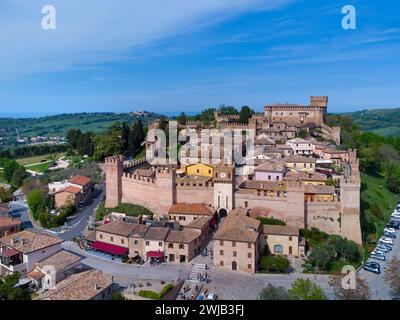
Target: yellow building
200,169
300,163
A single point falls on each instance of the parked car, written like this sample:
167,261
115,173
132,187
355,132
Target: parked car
394,224
373,267
386,246
389,235
382,248
380,257
386,241
212,296
376,251
391,230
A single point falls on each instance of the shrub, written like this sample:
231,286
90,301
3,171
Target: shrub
154,295
274,263
271,221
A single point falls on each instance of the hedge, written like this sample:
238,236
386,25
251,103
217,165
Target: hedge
154,295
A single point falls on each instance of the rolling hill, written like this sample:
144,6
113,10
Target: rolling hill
380,121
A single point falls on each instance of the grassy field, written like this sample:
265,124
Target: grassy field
128,209
41,167
377,204
38,159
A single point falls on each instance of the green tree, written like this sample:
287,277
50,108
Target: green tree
9,167
273,293
305,289
182,119
37,202
73,136
18,177
245,114
274,263
8,290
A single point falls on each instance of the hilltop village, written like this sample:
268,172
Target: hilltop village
304,182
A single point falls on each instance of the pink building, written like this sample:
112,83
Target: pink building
270,171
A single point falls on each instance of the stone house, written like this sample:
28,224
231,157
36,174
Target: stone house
238,244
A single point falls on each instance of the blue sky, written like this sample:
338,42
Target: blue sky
181,55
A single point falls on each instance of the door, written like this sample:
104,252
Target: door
171,258
290,249
234,266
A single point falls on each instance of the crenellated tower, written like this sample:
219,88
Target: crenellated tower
114,169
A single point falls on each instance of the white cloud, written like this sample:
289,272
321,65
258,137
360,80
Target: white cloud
95,31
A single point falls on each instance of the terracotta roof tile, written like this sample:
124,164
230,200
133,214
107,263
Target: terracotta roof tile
156,233
123,228
186,235
81,286
192,209
238,228
80,180
30,241
280,230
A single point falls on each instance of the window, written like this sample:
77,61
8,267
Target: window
249,255
122,241
234,253
181,246
209,171
221,242
269,177
160,244
278,248
136,242
198,171
112,239
182,218
221,252
305,165
170,245
101,236
233,243
249,245
249,266
290,238
246,204
147,243
221,263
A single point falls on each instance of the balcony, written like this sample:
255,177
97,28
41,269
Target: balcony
12,260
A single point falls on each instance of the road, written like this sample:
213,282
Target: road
126,274
379,288
75,224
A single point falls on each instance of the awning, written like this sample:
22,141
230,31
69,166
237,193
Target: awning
110,248
155,254
10,252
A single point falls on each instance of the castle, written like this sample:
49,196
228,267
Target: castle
298,201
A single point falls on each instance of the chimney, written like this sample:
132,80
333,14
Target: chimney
96,287
12,242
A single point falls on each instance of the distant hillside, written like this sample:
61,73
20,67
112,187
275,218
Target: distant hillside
380,121
58,125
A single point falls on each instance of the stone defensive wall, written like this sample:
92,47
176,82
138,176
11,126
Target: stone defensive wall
324,215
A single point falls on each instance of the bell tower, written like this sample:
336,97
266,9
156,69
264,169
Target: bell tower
224,185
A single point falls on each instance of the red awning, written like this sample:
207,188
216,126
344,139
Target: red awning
10,252
110,248
155,254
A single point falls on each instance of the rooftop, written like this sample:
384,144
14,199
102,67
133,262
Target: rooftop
192,209
263,185
186,235
199,223
300,159
8,222
238,228
70,189
80,180
59,260
280,230
4,207
124,229
305,176
156,233
30,241
81,286
271,166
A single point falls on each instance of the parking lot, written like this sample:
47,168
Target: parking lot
379,288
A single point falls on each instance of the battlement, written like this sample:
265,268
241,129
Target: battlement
136,177
134,163
194,185
321,101
113,159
